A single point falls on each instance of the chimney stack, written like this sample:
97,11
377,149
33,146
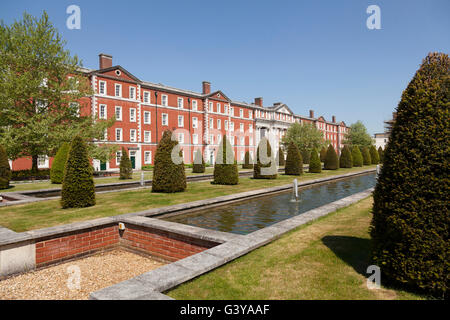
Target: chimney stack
105,60
311,113
259,101
333,119
206,87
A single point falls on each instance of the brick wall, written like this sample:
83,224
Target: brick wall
166,245
54,250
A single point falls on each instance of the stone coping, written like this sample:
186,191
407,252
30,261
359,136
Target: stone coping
151,285
14,237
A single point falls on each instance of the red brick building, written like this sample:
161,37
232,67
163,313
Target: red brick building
144,110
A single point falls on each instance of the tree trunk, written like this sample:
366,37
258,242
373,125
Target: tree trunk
34,163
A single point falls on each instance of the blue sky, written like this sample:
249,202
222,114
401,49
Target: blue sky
307,54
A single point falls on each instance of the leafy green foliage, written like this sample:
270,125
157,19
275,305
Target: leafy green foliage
265,165
367,160
380,153
315,165
358,135
248,161
357,157
280,157
374,156
199,162
305,156
78,189
346,159
168,176
125,167
59,163
5,170
323,154
410,224
225,169
331,160
294,162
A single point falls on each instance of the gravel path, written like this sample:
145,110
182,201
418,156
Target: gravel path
97,272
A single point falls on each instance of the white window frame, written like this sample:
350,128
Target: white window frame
147,157
132,112
218,107
250,128
117,85
104,93
241,127
219,124
210,108
115,113
194,138
121,134
104,108
241,113
226,125
211,123
133,136
180,137
132,93
149,117
194,122
164,100
147,136
232,126
242,142
118,157
194,105
147,97
181,123
165,123
180,103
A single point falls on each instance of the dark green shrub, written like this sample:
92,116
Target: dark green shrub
380,153
305,156
168,176
78,189
331,160
126,168
265,165
248,161
147,167
225,169
323,154
294,162
346,159
374,157
199,162
59,162
5,170
315,166
29,174
367,161
280,157
357,157
410,224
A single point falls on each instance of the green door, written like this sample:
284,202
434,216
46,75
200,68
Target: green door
102,165
133,160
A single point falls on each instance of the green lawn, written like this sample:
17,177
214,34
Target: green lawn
49,213
325,259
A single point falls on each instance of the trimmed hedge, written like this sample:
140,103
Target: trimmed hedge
374,156
280,157
168,176
315,166
78,189
331,160
367,161
346,159
59,163
380,154
248,161
357,157
5,170
294,162
126,168
225,169
323,154
266,162
410,224
199,163
29,174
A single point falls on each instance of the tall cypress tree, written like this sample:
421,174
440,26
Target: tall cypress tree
125,167
380,153
367,160
78,189
410,224
168,174
323,154
265,166
331,160
225,169
357,157
315,166
294,162
374,156
199,162
280,156
59,162
5,170
346,159
248,161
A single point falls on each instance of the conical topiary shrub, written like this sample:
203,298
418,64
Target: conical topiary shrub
248,161
380,153
199,162
294,162
78,189
280,157
5,170
323,154
410,222
367,161
265,165
374,157
315,166
305,155
346,159
59,162
126,169
168,174
331,160
357,157
225,169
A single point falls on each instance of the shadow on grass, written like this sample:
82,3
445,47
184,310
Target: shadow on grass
352,250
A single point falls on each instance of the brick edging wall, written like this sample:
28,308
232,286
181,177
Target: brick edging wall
166,245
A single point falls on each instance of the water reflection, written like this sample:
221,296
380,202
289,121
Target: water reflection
252,215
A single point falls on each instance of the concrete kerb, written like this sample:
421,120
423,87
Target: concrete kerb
174,274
